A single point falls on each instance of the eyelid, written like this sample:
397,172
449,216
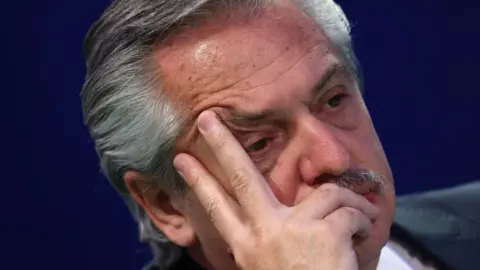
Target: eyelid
331,92
244,130
253,139
265,159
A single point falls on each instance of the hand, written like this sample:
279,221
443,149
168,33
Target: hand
315,234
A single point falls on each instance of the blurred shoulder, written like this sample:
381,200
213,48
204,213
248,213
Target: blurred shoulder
462,200
442,225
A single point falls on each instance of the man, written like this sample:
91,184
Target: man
237,133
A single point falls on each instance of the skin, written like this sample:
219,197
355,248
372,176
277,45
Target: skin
272,63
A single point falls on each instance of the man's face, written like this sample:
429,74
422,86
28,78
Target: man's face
281,88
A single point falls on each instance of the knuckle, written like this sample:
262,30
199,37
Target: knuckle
326,230
239,180
194,177
244,248
242,241
331,190
349,213
211,208
266,239
265,233
289,226
220,142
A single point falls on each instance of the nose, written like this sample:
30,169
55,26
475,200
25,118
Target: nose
323,152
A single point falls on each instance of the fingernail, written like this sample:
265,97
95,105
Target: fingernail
206,121
180,165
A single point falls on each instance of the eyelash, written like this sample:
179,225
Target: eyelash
268,141
340,96
321,104
262,158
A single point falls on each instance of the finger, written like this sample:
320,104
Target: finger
217,204
329,197
347,222
248,185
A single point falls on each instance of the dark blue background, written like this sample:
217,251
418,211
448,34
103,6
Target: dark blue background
420,60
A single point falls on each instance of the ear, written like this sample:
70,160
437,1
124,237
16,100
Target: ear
163,210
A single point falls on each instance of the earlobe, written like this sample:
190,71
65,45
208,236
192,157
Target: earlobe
183,235
159,206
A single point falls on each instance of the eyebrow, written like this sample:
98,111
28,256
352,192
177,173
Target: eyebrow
327,76
277,116
251,119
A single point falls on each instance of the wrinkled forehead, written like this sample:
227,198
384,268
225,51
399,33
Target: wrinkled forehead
220,53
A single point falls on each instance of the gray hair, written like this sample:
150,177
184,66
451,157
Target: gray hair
133,124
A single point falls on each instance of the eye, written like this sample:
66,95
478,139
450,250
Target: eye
258,145
335,101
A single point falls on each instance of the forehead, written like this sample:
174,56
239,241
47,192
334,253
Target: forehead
208,65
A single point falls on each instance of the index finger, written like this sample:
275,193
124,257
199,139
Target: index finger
217,204
248,185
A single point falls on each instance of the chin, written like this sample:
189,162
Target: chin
368,249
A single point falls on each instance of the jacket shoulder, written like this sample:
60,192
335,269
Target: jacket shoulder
446,222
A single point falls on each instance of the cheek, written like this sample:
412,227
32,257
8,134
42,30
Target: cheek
365,145
367,152
283,179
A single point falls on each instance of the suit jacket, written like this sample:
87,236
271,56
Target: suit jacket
441,226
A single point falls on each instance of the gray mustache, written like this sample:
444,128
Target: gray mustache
359,177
